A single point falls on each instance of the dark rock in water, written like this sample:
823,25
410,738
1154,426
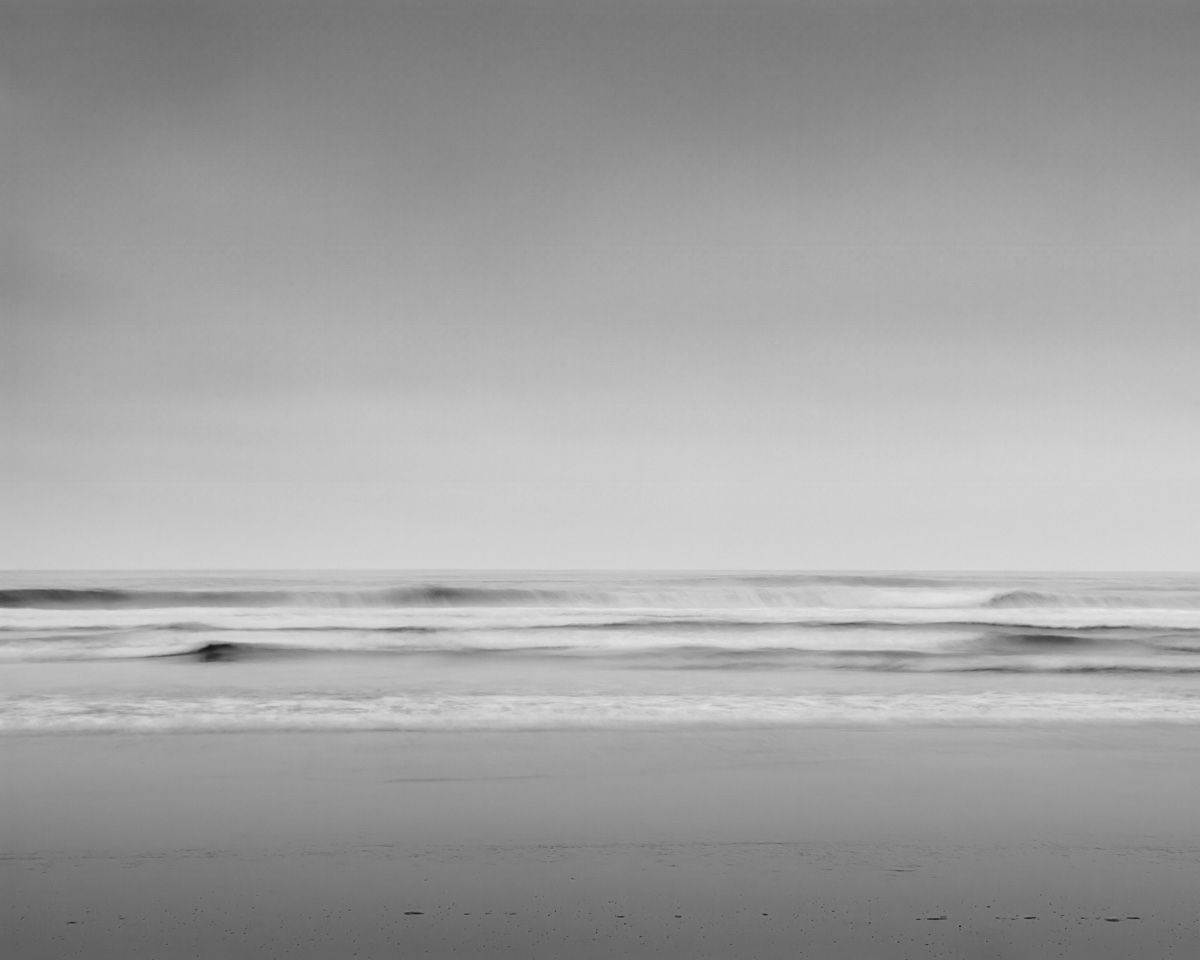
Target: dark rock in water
212,652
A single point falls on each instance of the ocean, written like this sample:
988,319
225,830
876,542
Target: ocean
278,651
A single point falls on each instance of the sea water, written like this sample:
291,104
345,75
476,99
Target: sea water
176,652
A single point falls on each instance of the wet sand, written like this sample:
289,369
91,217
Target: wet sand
858,843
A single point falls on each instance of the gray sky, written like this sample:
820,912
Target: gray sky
664,283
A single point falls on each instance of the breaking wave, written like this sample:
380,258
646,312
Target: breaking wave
848,621
433,595
818,592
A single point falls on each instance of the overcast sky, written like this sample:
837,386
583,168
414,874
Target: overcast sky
666,283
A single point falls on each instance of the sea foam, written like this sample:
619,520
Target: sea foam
63,714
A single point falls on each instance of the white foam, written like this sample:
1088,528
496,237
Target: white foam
60,714
510,618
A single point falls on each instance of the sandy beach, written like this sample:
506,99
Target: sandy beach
1076,841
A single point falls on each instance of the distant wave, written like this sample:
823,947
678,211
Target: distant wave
416,596
825,594
835,593
433,713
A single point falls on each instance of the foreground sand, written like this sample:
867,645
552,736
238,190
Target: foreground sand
970,842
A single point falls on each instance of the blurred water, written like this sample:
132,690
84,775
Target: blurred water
376,650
